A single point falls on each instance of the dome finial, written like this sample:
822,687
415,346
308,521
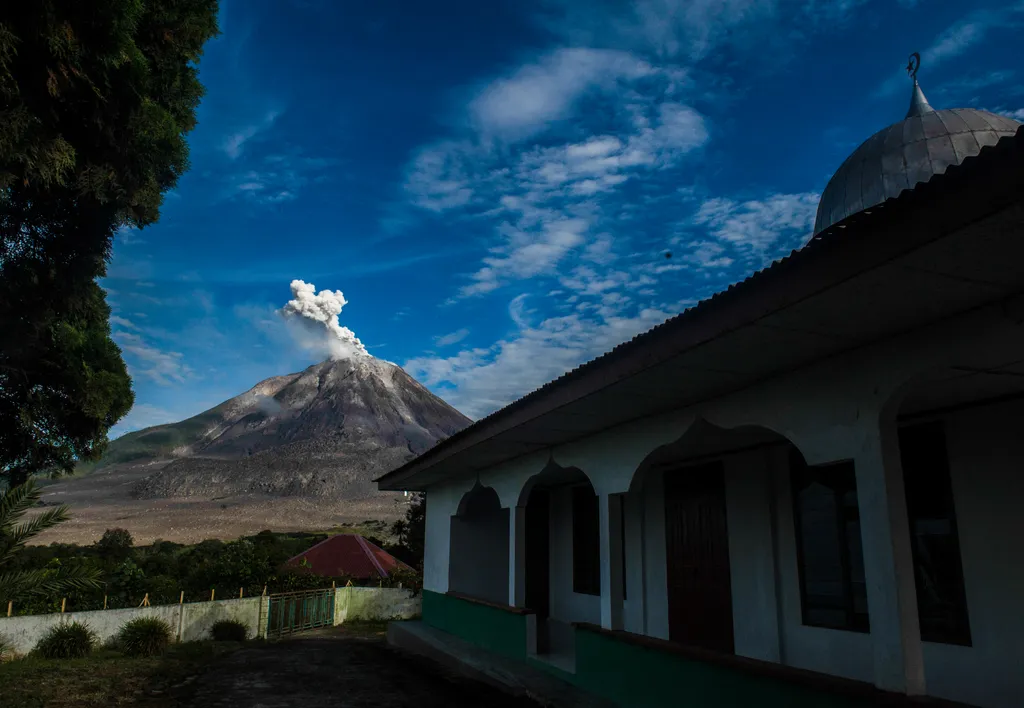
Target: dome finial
918,103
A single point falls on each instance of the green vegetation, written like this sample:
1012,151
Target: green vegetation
228,631
96,100
163,570
106,677
145,636
18,581
114,572
67,640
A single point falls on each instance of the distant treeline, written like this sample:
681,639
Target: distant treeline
164,570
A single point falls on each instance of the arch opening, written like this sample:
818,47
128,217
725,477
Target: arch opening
702,505
479,544
563,558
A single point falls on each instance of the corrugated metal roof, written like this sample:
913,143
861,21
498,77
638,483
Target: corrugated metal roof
349,555
845,229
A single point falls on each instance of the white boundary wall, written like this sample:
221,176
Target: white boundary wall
189,622
192,621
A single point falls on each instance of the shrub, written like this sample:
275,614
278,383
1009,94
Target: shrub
228,631
67,640
144,636
6,650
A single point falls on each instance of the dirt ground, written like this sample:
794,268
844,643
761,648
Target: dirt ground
332,668
104,500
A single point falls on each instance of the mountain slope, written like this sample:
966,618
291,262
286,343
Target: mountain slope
326,431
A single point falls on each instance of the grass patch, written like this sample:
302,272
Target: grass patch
105,677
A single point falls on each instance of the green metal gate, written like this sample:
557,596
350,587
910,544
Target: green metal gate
299,611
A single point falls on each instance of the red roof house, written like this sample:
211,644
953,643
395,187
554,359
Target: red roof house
350,555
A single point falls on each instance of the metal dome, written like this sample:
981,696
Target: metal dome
924,144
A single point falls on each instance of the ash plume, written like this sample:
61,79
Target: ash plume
313,321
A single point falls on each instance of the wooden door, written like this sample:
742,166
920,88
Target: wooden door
697,549
538,561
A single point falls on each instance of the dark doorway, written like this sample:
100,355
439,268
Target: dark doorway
538,561
697,549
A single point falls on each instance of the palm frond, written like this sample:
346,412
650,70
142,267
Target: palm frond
16,501
14,539
15,584
18,584
69,578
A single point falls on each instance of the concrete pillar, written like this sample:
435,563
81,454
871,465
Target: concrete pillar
517,556
636,591
888,562
611,560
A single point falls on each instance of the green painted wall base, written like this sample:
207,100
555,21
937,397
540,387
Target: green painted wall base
488,627
641,676
625,672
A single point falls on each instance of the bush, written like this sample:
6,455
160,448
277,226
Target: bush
144,636
6,650
228,631
67,640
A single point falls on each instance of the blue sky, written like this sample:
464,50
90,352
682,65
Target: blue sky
493,185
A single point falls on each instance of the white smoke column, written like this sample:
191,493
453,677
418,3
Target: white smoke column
315,319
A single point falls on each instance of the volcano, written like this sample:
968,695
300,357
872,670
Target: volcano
327,431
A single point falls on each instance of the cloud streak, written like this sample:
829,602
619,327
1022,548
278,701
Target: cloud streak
234,143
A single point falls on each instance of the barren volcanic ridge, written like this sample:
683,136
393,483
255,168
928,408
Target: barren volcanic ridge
296,452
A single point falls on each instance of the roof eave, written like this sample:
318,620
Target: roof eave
623,361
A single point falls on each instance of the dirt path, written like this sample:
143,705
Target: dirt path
331,669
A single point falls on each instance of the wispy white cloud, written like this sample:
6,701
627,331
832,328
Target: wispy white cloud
758,227
480,380
451,338
523,104
122,322
235,142
162,367
975,82
957,39
547,199
1017,115
687,29
277,178
129,236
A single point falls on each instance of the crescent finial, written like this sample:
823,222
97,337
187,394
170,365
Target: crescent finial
913,65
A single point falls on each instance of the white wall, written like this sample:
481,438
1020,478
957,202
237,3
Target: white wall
986,450
192,620
830,651
567,605
353,603
442,502
478,565
752,555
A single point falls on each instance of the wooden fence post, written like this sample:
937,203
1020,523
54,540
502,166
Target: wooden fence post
181,599
240,592
212,591
104,602
10,607
63,601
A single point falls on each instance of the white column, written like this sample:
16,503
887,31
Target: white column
888,563
517,556
635,591
611,560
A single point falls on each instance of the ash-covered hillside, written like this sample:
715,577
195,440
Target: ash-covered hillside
327,431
